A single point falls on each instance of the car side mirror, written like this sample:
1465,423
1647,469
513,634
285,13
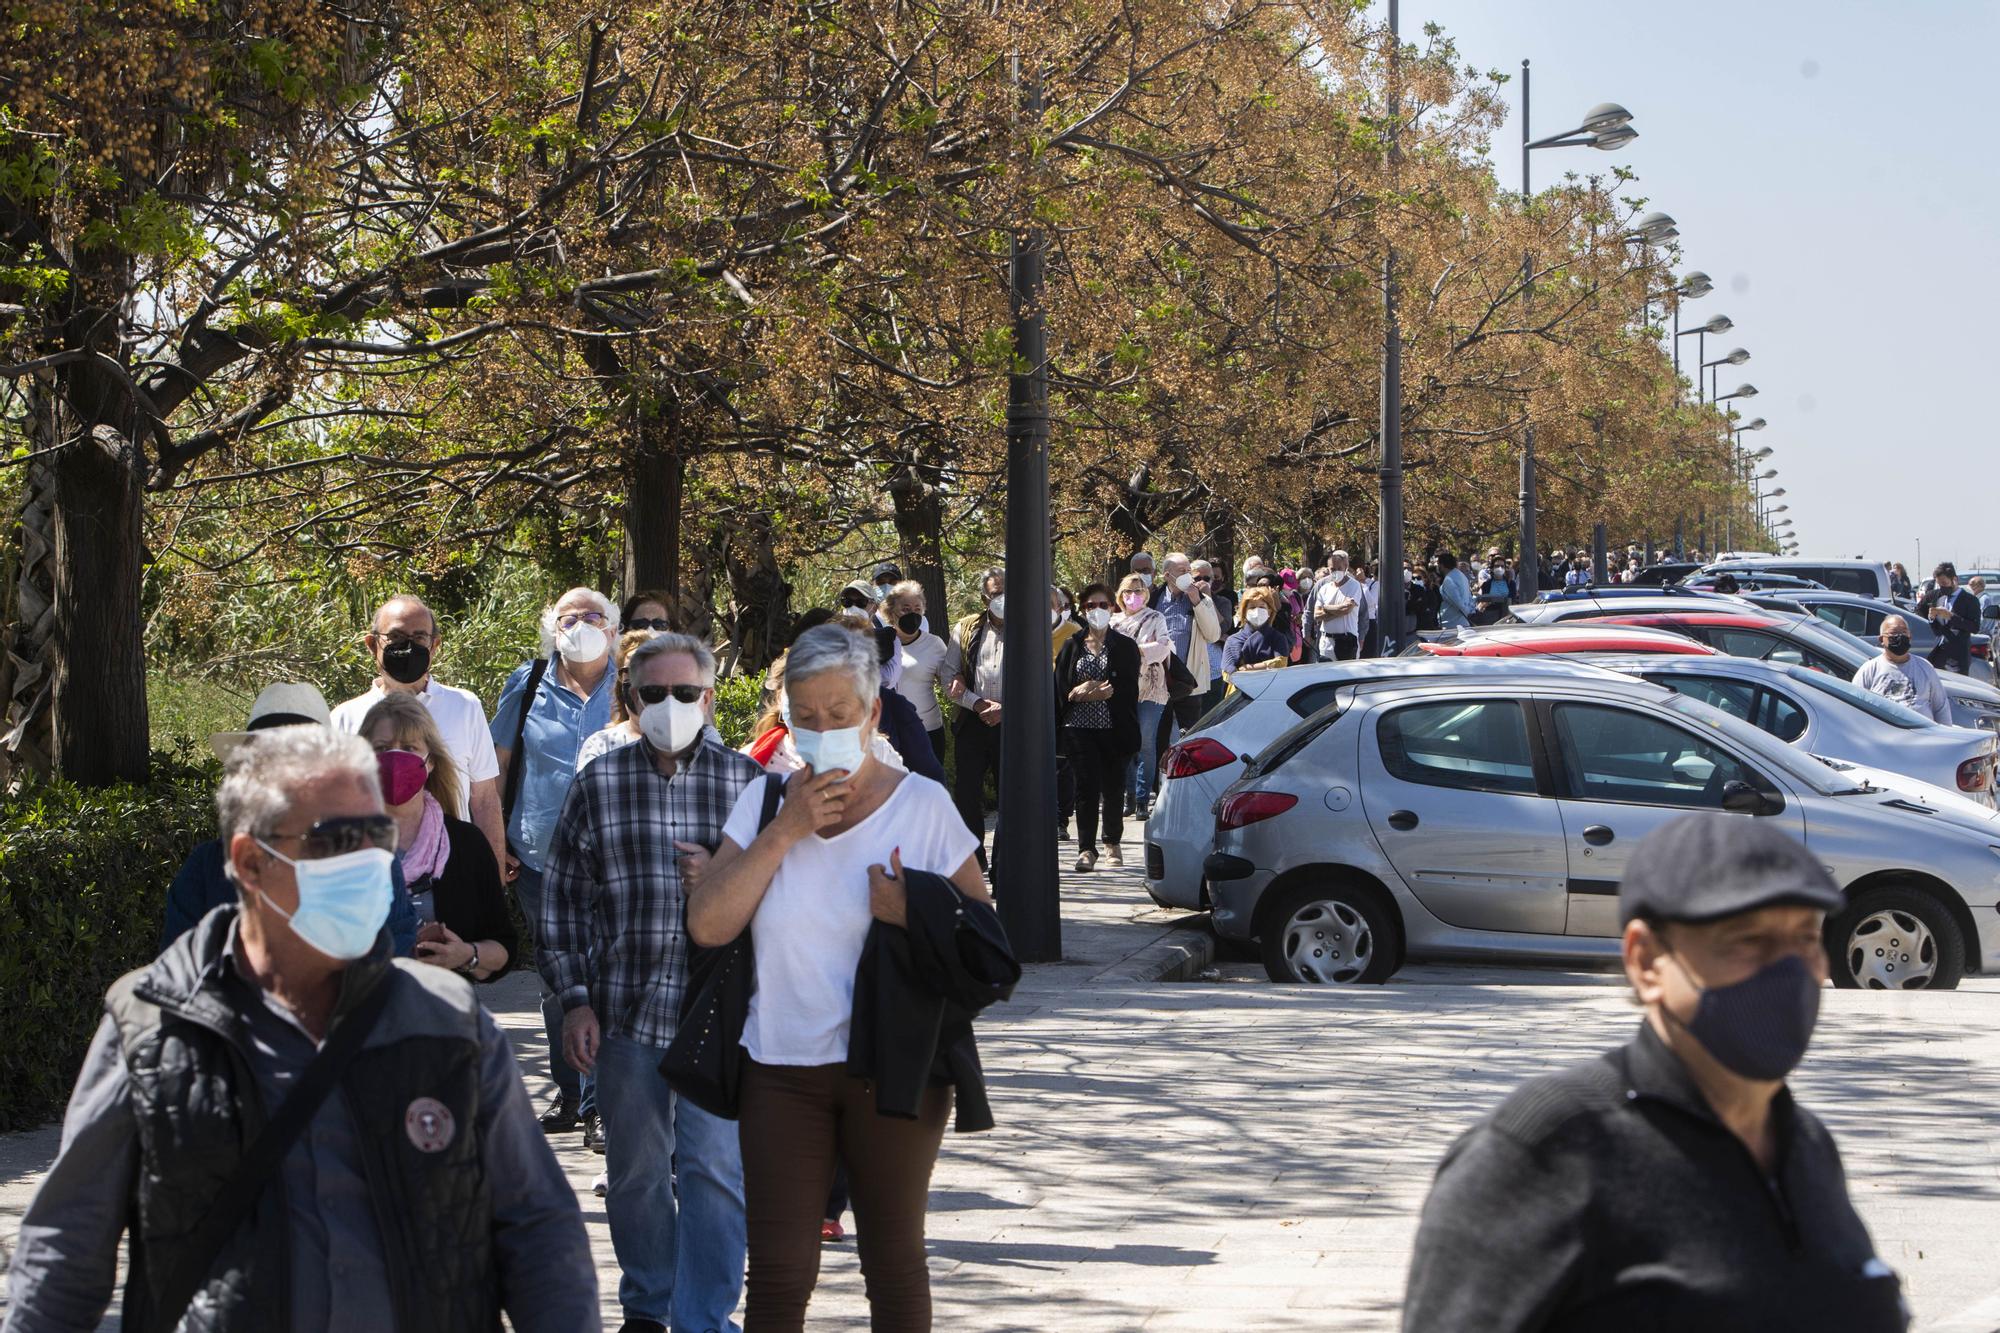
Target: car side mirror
1740,798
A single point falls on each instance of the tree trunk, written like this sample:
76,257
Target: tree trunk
101,726
653,516
920,532
761,617
27,672
1222,546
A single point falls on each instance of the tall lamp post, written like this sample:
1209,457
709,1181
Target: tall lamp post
1735,357
1389,540
1606,126
1028,891
1692,288
1719,325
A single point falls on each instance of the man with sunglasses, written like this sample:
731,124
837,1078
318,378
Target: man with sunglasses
404,639
636,832
297,1130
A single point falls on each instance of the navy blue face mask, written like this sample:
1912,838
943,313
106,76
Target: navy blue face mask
1760,1027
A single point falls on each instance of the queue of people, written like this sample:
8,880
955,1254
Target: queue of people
330,938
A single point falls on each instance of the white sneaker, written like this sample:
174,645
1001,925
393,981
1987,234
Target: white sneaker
602,1185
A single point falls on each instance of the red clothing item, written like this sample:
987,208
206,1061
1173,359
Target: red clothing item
767,744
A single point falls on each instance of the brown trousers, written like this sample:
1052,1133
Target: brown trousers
796,1123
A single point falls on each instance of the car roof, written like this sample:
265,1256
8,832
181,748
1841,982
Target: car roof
1621,686
1749,618
1719,665
1595,636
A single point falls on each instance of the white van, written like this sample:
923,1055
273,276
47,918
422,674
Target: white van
1865,577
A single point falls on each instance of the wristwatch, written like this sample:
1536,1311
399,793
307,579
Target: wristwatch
472,963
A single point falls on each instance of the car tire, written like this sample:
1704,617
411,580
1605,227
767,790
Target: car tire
1895,938
1330,933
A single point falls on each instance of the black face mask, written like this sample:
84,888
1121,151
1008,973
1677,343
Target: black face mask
1897,644
406,662
909,622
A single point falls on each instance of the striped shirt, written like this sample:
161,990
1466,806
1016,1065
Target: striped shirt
614,910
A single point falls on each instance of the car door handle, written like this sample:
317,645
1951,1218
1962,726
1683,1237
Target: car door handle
1402,820
1597,835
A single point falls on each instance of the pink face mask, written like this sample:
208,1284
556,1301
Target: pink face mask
1133,600
403,774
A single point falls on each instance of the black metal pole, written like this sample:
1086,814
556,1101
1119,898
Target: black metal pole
1027,888
1600,569
1677,340
1389,539
1530,560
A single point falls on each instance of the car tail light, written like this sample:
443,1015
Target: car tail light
1197,754
1979,649
1248,807
1975,775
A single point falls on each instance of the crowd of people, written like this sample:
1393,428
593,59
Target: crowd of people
759,967
331,936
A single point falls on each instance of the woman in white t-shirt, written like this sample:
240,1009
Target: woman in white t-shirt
809,885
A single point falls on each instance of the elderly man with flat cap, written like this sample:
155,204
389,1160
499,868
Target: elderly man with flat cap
1673,1183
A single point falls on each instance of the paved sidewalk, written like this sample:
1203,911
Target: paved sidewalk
1241,1155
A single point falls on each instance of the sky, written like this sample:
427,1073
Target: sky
1831,166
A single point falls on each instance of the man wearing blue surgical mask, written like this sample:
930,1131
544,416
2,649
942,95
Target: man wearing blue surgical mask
272,1087
1673,1183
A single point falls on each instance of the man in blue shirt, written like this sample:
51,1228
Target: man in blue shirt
571,701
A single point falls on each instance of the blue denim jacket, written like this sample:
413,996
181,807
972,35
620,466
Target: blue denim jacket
559,721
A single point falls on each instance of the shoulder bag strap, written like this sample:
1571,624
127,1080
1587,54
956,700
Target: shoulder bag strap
517,762
774,792
239,1196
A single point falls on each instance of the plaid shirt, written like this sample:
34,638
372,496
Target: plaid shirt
614,911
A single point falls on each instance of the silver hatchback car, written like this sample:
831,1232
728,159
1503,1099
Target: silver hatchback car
1454,819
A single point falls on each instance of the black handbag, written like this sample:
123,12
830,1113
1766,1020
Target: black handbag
704,1061
1180,681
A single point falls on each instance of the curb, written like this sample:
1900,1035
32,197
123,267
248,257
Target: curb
1176,955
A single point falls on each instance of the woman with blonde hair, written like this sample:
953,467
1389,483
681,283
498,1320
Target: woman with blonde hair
1259,645
1132,617
454,880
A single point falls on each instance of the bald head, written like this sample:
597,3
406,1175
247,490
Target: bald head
1896,638
406,611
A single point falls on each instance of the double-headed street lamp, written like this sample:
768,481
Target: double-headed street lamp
1692,288
1605,126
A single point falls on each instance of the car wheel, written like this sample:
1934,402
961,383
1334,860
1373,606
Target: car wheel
1895,938
1330,933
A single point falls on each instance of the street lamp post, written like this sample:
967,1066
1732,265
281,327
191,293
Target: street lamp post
1028,889
1389,540
1692,288
1736,357
1606,126
1719,325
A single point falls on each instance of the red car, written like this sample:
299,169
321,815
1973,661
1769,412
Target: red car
1765,636
1545,640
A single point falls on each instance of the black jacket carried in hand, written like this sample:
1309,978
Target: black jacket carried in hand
915,994
1954,636
905,730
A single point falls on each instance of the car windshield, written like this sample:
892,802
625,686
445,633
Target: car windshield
1798,765
1235,702
1887,710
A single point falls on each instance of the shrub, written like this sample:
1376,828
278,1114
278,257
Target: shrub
83,883
736,707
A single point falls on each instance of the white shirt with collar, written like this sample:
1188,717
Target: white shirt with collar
461,720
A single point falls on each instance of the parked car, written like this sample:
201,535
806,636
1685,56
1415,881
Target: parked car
1549,640
1865,577
1448,819
1751,580
1263,705
1612,590
1665,573
1745,631
1828,717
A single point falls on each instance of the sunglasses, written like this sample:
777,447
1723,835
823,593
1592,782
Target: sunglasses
587,617
653,694
662,626
1097,606
339,836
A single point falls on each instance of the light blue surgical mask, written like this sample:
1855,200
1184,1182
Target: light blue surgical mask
343,900
825,751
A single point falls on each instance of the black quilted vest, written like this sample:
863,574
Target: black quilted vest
197,1107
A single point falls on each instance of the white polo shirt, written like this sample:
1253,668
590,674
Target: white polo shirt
461,720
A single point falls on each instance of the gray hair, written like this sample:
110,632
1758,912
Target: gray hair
666,642
834,647
990,573
267,769
604,604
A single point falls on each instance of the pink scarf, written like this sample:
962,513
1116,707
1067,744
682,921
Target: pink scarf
429,849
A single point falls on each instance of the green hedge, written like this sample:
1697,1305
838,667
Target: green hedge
83,883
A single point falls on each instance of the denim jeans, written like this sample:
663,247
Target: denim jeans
1144,770
682,1263
579,1088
